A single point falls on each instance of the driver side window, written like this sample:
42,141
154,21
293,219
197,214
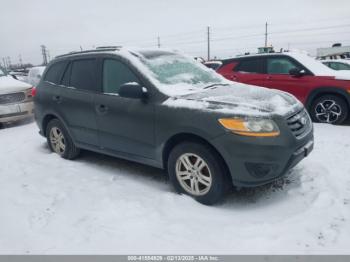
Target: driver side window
280,65
116,74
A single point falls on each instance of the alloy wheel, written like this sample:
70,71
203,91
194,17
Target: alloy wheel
57,140
328,111
193,174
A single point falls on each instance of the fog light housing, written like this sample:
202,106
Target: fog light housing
260,170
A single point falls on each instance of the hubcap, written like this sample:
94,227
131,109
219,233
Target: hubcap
193,174
57,140
328,111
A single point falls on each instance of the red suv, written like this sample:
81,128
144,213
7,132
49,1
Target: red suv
324,92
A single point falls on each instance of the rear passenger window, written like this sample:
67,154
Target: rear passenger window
54,73
116,74
83,74
251,66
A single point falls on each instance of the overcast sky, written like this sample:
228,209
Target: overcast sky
236,26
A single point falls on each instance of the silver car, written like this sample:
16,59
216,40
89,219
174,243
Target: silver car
16,100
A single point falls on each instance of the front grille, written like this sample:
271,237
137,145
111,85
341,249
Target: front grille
12,98
300,124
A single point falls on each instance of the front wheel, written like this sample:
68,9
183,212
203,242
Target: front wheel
329,109
196,170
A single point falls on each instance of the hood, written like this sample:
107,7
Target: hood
239,99
9,85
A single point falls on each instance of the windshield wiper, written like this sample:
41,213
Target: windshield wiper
215,85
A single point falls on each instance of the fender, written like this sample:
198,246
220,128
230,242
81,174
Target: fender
47,113
327,90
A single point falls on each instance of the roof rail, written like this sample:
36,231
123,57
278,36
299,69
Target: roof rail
109,47
98,49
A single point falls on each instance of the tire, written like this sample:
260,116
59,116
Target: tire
331,109
208,193
55,131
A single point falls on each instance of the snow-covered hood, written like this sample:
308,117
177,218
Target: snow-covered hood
317,67
8,85
239,99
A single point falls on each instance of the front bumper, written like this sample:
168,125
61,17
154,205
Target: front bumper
254,161
15,112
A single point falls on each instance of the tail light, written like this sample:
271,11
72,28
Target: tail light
33,92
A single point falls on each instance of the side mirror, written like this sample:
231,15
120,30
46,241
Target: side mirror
296,72
14,77
132,90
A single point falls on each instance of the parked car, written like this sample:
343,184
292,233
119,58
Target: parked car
164,109
324,92
34,75
215,65
19,75
16,100
339,64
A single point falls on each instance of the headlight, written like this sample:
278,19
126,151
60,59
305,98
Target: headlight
251,127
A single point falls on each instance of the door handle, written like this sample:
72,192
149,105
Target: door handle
102,109
234,78
57,99
268,77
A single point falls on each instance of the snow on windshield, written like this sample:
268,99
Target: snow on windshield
173,73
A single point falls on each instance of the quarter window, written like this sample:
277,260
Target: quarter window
83,74
55,72
280,65
116,74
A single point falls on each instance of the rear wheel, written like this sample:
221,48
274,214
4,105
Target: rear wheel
196,170
329,109
59,140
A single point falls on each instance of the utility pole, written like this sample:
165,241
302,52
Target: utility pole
266,34
208,36
4,62
20,60
44,53
158,40
48,56
8,62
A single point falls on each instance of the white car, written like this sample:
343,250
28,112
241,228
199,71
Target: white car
34,75
338,64
16,99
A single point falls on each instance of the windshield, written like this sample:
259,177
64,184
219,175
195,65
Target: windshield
172,69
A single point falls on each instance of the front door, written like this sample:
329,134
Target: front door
125,125
278,77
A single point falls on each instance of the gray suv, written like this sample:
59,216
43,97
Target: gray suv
164,109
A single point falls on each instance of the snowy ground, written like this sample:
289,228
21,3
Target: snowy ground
98,204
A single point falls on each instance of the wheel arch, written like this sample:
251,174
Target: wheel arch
321,91
50,116
189,137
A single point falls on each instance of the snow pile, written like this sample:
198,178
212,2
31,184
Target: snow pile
101,205
8,85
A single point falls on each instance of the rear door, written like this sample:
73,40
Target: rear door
79,84
250,71
125,125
